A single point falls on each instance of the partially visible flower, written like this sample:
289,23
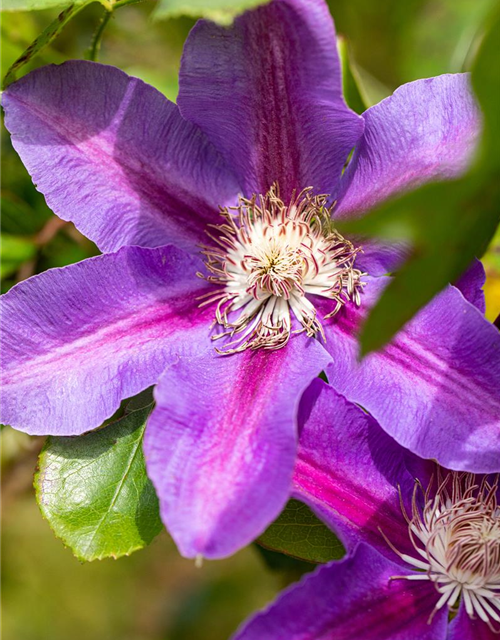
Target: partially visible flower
423,542
260,105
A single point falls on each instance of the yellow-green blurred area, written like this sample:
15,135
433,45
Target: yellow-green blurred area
155,594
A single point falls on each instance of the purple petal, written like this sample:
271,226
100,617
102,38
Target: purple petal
268,93
77,340
463,628
114,156
351,600
348,471
220,445
427,130
435,387
378,258
471,285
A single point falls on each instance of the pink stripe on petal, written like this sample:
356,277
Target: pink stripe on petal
114,156
434,388
220,445
77,340
348,470
268,93
354,599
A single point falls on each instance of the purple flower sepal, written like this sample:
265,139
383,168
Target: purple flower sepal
260,113
423,543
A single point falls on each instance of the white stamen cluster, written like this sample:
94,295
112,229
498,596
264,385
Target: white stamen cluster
457,535
266,257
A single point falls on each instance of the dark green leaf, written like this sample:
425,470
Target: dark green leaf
448,223
297,532
486,83
142,400
94,491
19,219
451,232
221,11
289,569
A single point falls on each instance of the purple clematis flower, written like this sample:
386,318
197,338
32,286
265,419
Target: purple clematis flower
423,542
262,131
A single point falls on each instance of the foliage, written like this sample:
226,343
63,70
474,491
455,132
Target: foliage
351,81
15,251
94,490
222,11
33,5
298,533
44,39
448,224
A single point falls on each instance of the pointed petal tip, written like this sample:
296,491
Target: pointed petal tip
223,470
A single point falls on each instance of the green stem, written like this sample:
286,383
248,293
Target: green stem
95,45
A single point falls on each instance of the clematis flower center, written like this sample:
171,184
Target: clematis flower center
457,535
267,259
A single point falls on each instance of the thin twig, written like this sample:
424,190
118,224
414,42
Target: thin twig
95,45
43,237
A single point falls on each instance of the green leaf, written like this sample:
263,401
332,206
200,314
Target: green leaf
142,400
486,83
14,250
447,223
18,218
289,569
49,34
221,11
452,231
18,248
297,532
34,5
351,81
94,491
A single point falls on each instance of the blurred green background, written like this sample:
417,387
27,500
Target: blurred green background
155,594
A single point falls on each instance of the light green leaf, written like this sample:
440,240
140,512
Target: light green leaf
221,11
166,83
448,223
94,491
34,5
297,532
7,268
351,81
14,250
17,247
